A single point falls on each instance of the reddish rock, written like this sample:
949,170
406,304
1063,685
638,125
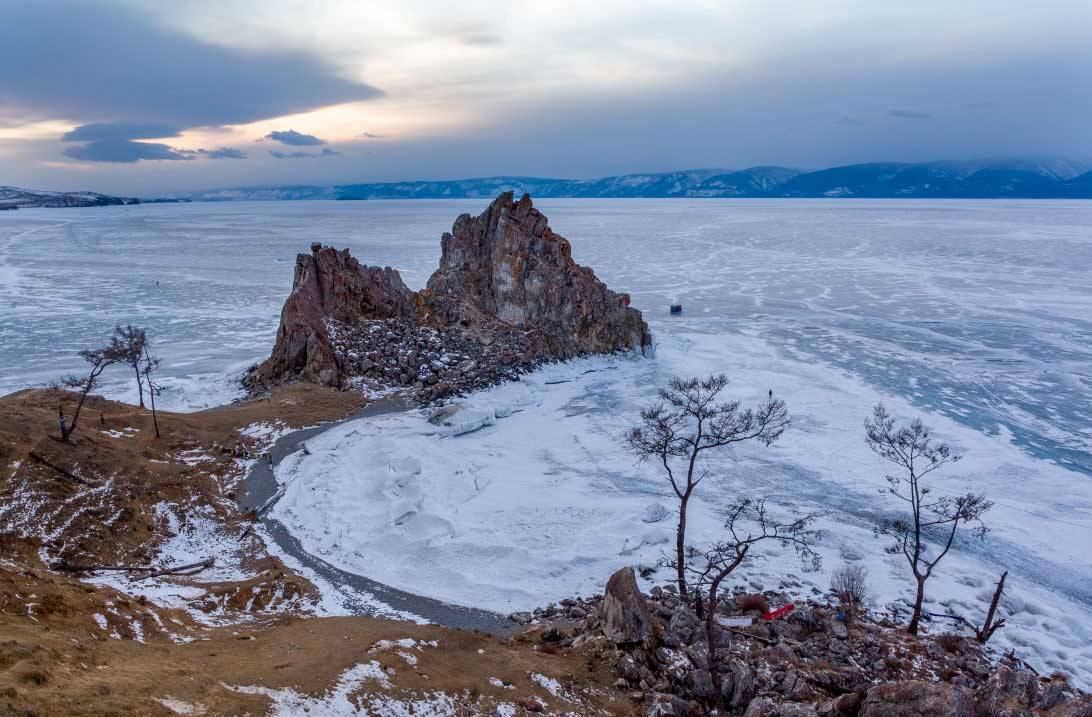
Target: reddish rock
506,282
507,264
329,285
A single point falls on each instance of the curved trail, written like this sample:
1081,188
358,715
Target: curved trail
260,485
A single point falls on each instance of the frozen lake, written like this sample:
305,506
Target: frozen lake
981,311
975,315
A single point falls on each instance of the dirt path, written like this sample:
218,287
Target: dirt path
260,485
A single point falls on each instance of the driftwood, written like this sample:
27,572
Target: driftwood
174,570
984,633
60,470
67,567
153,571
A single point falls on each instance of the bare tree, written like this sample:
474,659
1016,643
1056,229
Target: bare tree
992,625
688,421
99,359
850,585
913,450
129,342
748,523
147,368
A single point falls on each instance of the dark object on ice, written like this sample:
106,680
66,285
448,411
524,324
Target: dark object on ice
676,308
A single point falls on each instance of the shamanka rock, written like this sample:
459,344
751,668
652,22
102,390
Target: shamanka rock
506,297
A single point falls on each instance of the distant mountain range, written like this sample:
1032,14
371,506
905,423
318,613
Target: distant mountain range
14,197
1023,179
1008,179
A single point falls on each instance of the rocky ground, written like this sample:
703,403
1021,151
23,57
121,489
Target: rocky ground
809,663
429,363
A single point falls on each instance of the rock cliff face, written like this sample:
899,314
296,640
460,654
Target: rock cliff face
508,265
507,296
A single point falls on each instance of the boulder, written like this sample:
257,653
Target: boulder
1079,707
1007,692
915,698
623,612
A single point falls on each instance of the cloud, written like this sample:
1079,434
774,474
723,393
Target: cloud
124,151
909,114
369,135
222,153
326,152
482,39
101,131
116,142
851,121
107,63
294,138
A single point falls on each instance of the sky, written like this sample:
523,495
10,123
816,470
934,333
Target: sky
140,98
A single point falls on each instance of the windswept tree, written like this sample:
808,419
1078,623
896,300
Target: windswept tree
129,342
100,360
748,523
147,368
688,421
912,448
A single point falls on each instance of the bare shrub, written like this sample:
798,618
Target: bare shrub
850,586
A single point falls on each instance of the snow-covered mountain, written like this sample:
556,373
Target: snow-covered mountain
1022,178
15,197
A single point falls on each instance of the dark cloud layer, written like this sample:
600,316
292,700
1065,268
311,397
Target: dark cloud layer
101,131
294,138
326,152
93,62
222,153
124,151
909,114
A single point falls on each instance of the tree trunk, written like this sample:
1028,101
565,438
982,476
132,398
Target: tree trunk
139,386
76,415
680,550
915,620
711,639
155,420
988,627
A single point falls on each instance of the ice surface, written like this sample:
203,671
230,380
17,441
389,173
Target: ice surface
973,314
547,503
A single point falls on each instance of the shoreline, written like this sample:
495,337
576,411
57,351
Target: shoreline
260,484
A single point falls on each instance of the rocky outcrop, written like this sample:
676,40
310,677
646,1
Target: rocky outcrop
794,666
624,614
330,286
508,265
507,296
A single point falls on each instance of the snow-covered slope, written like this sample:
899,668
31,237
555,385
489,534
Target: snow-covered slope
16,197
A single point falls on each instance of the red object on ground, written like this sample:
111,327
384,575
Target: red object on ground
779,612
